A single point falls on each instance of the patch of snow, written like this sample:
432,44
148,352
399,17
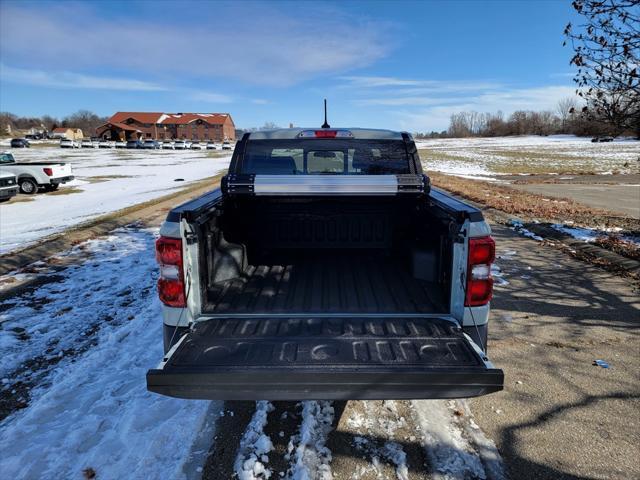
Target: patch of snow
93,410
591,234
517,226
254,445
311,457
498,276
450,454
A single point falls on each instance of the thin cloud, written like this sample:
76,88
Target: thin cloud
210,97
73,80
413,86
268,47
374,82
507,101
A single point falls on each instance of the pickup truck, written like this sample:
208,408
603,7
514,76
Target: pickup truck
35,175
8,186
325,267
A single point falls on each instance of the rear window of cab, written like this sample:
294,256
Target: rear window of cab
325,157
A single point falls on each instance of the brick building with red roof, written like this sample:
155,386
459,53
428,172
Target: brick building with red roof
216,127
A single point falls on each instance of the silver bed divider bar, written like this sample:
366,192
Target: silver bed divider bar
314,185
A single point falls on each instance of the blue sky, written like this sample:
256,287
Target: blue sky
400,65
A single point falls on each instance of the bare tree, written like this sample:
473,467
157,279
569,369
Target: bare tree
607,54
85,120
564,109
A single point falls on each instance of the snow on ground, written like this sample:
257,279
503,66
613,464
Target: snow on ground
106,180
518,226
591,234
251,459
311,458
455,446
481,157
91,408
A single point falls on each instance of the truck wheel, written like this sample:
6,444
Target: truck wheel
28,186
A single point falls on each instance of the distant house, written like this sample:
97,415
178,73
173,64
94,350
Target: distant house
68,133
216,127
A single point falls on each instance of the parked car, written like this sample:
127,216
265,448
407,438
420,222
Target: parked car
603,139
68,143
226,146
211,146
36,175
197,146
20,143
167,145
134,144
8,186
106,144
87,143
187,144
180,145
315,274
151,145
120,144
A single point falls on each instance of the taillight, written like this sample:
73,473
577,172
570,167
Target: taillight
48,171
171,282
482,253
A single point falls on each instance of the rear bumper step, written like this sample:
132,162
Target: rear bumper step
324,359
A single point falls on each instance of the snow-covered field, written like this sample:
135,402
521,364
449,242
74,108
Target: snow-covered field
106,180
75,353
528,155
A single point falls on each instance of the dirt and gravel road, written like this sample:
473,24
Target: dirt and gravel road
77,347
621,198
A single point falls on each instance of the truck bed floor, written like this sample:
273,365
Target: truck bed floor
371,283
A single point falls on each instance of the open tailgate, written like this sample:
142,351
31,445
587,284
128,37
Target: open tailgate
324,359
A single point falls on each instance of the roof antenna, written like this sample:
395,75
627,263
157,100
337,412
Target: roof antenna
325,124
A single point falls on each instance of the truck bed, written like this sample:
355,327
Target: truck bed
336,283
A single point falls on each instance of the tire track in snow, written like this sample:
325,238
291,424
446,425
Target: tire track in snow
377,440
455,446
307,450
363,440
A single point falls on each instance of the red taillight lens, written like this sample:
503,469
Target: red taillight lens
169,251
326,133
171,292
482,253
171,282
48,171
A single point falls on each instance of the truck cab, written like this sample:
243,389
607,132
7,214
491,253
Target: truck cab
325,267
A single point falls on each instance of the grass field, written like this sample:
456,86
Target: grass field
529,155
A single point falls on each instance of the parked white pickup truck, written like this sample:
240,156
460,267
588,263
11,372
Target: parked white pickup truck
8,186
33,176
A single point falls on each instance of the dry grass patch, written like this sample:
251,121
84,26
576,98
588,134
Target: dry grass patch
530,206
619,246
65,191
